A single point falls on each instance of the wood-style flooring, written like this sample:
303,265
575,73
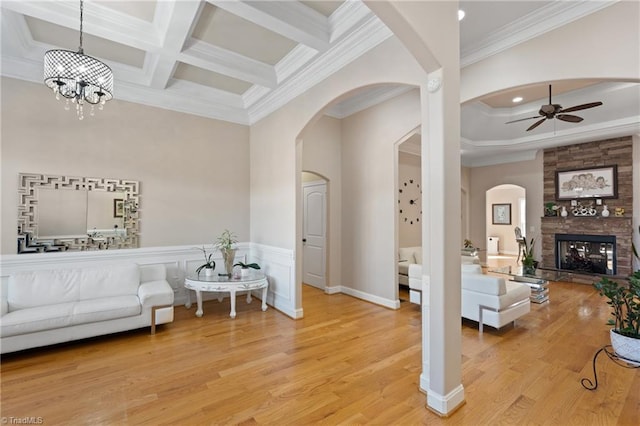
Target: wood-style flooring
346,362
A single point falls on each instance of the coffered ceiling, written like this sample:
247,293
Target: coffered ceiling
240,60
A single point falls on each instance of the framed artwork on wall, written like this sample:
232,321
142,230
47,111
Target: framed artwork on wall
596,182
501,214
118,207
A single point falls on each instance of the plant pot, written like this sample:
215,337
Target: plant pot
625,347
208,272
244,272
228,256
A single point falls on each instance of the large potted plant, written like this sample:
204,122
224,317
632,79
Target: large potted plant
529,263
624,299
225,244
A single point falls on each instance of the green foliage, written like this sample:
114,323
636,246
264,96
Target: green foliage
527,252
247,265
209,263
226,240
624,300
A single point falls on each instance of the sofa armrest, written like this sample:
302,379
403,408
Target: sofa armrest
415,271
155,293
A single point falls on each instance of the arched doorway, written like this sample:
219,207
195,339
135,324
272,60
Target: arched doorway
506,207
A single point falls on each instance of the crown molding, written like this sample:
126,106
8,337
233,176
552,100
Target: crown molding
532,25
365,100
484,153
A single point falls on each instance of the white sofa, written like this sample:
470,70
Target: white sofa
410,269
492,300
45,307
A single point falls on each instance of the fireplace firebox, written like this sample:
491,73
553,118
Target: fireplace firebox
594,254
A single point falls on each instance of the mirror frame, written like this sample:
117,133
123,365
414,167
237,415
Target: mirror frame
28,185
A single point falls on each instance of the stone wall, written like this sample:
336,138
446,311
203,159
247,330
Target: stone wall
618,151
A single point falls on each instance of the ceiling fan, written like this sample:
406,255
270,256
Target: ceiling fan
547,112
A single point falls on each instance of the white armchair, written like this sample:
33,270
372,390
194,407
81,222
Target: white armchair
492,300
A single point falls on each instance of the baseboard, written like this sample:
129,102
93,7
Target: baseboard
333,290
387,303
445,405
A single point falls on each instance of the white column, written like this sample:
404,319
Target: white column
441,241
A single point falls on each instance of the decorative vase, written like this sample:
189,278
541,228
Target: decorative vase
605,211
228,256
625,347
208,272
244,272
528,269
564,212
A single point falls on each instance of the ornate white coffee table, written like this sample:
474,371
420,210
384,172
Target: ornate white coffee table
223,284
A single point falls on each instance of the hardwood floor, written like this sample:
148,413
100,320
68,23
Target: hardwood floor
346,362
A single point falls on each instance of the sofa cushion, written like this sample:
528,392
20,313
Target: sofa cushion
50,287
40,318
403,267
30,320
105,308
417,255
406,254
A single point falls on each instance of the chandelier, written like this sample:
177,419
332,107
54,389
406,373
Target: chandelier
77,77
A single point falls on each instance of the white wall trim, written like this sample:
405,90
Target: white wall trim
387,303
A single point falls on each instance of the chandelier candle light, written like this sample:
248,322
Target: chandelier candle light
77,77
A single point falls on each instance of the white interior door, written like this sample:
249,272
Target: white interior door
314,233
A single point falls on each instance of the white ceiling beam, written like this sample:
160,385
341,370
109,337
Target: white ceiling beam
175,23
290,19
226,62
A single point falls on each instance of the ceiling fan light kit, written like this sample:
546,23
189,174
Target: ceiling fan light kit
77,77
551,111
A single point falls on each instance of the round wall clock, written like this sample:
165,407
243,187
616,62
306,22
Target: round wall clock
409,201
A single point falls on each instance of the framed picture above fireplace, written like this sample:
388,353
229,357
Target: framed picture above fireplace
596,182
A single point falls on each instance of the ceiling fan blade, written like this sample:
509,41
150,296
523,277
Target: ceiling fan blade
579,107
536,124
523,119
569,117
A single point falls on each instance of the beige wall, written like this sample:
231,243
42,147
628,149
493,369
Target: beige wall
193,171
604,44
321,154
527,174
409,234
369,197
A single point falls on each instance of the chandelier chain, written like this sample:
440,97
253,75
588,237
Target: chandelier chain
81,10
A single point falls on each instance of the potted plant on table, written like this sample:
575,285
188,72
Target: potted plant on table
244,268
225,244
624,300
209,264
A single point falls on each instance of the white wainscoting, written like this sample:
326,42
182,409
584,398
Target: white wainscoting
278,264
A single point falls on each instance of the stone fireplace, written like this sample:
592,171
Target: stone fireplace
598,242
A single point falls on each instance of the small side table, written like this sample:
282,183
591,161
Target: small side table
222,284
608,349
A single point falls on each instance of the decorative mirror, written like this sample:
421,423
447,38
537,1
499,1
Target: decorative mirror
60,213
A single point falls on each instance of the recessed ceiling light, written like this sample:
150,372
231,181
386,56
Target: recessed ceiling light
460,14
517,99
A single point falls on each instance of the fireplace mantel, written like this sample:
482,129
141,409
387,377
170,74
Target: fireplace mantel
620,227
